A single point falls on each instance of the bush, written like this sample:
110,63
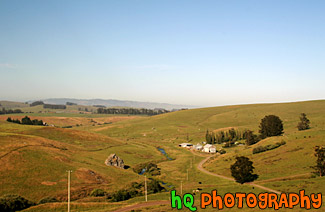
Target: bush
47,200
98,193
150,168
268,147
136,189
222,151
11,203
121,195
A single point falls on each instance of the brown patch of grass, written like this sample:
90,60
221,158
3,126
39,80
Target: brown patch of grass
49,183
90,176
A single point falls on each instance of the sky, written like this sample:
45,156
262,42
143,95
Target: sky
204,53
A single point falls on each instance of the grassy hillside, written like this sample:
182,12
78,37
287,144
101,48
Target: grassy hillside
34,159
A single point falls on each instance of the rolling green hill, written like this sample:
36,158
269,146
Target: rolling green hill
34,159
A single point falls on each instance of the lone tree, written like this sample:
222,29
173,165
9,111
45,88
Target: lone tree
320,163
242,170
271,125
304,122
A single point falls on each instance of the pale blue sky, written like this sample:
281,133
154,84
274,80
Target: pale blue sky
182,52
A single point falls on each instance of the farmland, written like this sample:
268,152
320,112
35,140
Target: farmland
34,159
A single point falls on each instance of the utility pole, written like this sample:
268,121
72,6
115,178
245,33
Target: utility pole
145,188
187,174
69,179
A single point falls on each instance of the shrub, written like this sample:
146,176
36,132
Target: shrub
10,203
121,195
268,147
97,193
150,168
222,151
47,200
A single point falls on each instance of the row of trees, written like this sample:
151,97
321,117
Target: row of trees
36,103
131,111
224,136
136,189
10,111
270,125
26,120
50,106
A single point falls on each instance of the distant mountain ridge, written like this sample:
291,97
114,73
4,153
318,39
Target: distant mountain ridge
115,103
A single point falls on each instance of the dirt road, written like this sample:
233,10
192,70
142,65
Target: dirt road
200,167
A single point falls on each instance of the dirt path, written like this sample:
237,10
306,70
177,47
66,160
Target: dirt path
143,204
200,167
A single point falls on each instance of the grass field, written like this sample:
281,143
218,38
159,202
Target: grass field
34,159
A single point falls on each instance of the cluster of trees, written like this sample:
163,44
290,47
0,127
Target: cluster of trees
271,125
136,189
224,136
148,168
230,136
70,103
50,106
131,111
10,111
11,203
37,103
26,120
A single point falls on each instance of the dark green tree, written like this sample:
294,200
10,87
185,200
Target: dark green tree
154,186
271,125
26,120
242,170
320,163
304,122
14,203
251,138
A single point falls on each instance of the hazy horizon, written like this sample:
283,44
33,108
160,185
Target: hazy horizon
201,53
192,106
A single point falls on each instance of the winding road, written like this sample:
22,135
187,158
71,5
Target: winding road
200,167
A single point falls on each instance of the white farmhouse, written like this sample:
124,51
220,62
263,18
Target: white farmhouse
186,145
209,148
198,147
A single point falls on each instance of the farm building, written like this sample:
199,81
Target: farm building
209,148
198,147
186,145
